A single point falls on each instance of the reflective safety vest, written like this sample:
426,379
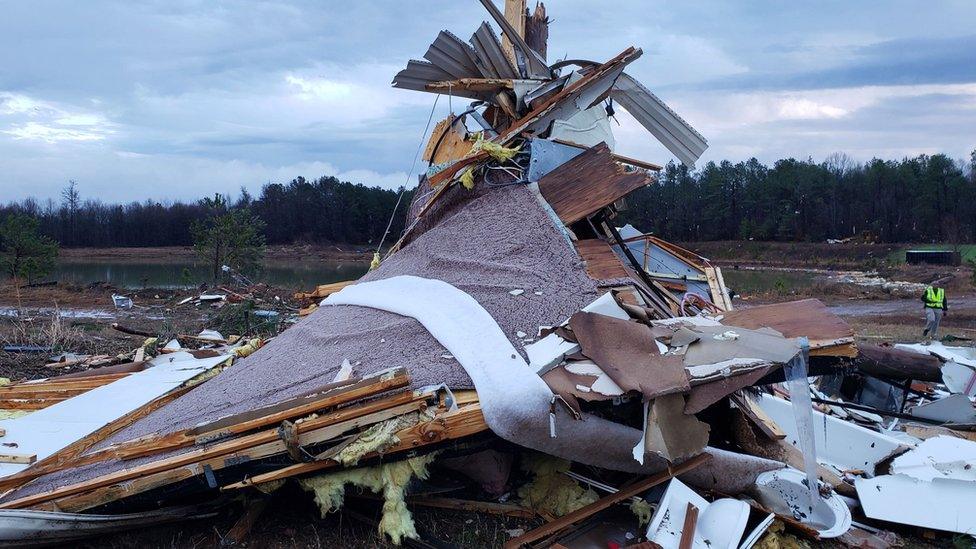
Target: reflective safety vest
934,297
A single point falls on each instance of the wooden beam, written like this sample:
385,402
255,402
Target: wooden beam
618,157
487,507
493,85
329,396
342,393
127,482
238,533
603,503
518,127
687,539
24,459
465,421
757,416
515,15
537,30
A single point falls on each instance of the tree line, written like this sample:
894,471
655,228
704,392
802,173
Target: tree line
920,199
325,210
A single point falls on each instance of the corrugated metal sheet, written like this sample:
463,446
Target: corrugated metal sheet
580,99
663,123
489,56
420,73
452,55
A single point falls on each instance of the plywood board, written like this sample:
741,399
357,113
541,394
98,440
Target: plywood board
601,262
828,333
588,183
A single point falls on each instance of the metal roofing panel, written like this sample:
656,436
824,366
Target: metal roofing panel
657,118
489,55
420,73
579,100
453,56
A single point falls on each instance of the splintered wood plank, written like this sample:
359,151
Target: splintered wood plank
515,11
714,288
9,457
588,183
125,482
435,135
326,397
465,421
494,85
448,142
601,262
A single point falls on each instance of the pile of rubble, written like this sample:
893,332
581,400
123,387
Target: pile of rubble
514,326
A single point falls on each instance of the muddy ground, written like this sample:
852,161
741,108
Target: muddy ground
292,519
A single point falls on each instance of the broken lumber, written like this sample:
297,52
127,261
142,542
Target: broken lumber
337,394
494,85
465,421
603,503
488,507
127,482
66,456
238,533
9,457
757,416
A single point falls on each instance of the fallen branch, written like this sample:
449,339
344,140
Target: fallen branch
131,331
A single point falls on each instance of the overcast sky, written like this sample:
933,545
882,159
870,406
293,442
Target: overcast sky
176,100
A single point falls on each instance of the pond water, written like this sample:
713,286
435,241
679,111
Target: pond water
294,275
751,282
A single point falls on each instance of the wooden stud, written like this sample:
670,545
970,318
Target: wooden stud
491,508
757,416
515,15
688,528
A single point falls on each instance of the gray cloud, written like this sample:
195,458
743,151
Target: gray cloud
178,99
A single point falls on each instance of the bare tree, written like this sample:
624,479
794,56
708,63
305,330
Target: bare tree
70,202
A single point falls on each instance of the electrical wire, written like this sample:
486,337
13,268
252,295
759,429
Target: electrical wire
403,189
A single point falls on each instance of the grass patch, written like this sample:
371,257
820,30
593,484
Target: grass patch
968,252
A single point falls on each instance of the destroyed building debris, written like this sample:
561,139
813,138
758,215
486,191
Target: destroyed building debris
514,312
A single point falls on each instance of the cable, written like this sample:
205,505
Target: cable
403,189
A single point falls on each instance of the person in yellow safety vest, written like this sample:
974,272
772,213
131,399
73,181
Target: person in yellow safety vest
935,306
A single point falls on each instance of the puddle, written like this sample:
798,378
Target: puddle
92,314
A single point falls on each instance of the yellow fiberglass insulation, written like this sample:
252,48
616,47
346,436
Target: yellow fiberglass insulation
777,538
377,438
496,151
388,479
551,491
643,510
